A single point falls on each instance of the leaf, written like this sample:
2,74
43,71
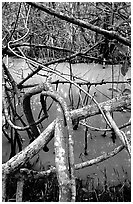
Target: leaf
124,67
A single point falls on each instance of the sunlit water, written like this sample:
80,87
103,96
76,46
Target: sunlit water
97,144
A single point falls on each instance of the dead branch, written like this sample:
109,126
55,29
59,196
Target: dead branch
30,151
91,110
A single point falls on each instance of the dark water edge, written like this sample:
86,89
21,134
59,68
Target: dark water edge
47,190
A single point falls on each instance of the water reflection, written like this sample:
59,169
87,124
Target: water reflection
97,144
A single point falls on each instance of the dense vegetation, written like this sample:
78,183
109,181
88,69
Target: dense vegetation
63,38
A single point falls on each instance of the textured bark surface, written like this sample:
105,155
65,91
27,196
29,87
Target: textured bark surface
64,152
90,110
4,183
19,192
61,159
30,151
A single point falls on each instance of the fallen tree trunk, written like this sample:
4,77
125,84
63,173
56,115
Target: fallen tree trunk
115,104
30,151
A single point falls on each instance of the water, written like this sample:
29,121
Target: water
97,144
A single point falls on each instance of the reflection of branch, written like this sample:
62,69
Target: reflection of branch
27,108
7,116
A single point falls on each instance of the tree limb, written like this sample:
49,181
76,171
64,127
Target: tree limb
81,23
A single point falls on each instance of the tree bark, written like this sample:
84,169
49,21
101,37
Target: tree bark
61,145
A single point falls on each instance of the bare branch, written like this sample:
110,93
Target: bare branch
81,23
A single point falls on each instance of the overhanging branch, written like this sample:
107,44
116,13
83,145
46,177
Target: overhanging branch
83,24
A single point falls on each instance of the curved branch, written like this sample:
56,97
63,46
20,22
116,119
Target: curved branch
28,111
100,158
59,138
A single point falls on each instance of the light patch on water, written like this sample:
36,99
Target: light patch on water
59,109
128,132
94,151
65,94
61,90
93,80
108,144
102,152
